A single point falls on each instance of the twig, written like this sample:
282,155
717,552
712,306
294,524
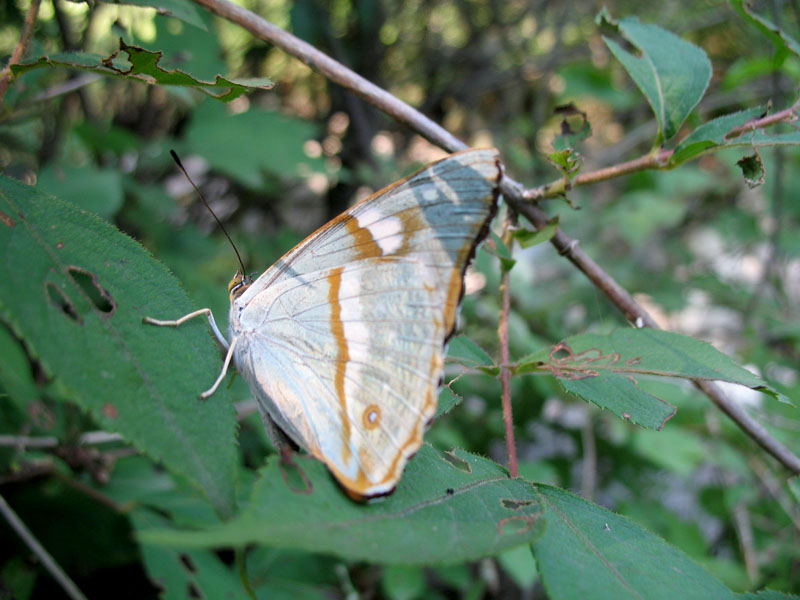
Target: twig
19,51
652,160
512,192
505,359
89,438
49,563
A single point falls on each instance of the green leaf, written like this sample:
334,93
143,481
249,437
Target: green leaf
722,132
401,582
520,565
194,573
251,144
712,135
447,508
672,73
75,290
16,377
567,161
590,553
497,247
180,9
783,42
97,190
448,400
753,169
142,65
463,351
603,369
767,595
527,238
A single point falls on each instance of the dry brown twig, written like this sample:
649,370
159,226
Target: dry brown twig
513,192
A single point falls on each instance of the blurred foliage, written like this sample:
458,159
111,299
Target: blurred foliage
705,253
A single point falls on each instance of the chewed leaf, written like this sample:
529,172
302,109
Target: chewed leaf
753,169
74,292
438,493
605,369
143,65
784,43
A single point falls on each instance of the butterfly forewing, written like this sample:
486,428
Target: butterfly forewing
342,340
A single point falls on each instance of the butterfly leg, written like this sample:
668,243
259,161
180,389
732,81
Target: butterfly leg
183,319
224,372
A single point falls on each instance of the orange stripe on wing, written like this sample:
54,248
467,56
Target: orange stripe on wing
337,328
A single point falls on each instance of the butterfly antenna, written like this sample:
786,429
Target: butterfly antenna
199,193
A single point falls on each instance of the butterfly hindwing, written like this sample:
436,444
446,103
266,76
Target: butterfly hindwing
342,340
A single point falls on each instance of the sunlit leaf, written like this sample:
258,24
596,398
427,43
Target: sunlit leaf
143,65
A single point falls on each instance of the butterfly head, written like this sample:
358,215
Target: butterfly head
239,284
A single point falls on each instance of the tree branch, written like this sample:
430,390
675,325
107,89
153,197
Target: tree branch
19,51
513,192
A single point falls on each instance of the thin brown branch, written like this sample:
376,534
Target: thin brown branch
787,115
19,51
49,563
505,359
654,160
512,192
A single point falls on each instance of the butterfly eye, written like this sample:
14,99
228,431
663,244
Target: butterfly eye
238,284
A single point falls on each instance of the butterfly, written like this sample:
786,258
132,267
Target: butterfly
342,340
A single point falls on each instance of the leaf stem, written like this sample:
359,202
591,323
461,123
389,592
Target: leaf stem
502,334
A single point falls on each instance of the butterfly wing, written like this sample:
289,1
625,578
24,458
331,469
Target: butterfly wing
342,340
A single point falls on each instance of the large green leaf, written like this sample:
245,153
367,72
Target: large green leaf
716,134
74,290
603,369
672,73
98,191
143,65
450,509
590,553
447,508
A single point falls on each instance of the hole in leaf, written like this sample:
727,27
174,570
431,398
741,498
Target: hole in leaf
458,463
59,299
6,219
514,504
194,591
517,524
294,477
96,293
187,562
